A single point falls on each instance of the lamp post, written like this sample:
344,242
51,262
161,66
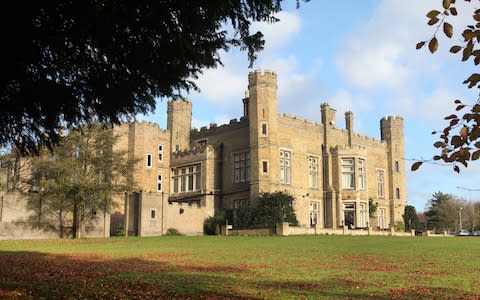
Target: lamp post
460,216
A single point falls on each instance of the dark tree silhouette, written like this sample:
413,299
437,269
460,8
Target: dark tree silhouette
70,63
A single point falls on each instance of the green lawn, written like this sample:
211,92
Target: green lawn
214,267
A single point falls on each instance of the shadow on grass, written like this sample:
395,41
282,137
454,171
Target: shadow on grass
33,275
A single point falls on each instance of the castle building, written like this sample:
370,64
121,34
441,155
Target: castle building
184,175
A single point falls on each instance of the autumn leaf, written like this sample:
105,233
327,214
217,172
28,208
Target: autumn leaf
416,165
433,14
446,4
420,45
433,45
455,49
448,29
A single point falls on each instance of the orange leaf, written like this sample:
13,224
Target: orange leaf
416,165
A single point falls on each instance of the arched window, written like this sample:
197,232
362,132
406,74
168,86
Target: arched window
397,167
397,193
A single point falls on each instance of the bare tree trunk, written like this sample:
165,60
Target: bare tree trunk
76,220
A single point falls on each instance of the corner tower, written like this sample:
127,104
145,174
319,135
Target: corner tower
391,129
179,122
263,132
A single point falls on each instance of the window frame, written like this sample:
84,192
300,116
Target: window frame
350,173
313,171
285,166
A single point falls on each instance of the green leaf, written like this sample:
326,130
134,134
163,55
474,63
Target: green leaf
448,29
416,165
420,45
433,45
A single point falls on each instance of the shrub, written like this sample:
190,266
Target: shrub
173,231
212,224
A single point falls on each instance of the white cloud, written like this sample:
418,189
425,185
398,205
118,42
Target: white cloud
280,33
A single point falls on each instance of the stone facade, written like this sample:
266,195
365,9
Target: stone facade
331,172
183,175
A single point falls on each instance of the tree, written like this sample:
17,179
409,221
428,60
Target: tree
459,141
81,176
70,63
276,207
410,218
443,212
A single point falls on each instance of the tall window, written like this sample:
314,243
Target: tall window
361,174
149,160
363,215
313,213
285,167
313,171
397,167
160,153
187,179
397,193
380,183
348,173
264,129
265,167
159,183
381,218
241,167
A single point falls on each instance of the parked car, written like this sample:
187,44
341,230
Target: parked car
462,232
476,232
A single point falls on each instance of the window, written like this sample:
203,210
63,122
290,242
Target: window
363,215
265,166
380,183
264,129
241,167
349,214
348,173
202,143
397,193
149,160
153,213
361,174
159,183
397,167
187,179
381,218
313,213
160,153
285,166
313,171
177,147
241,203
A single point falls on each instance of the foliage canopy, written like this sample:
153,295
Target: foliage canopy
459,141
70,63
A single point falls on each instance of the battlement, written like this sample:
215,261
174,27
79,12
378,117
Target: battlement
149,124
288,119
262,77
215,129
180,103
391,119
193,151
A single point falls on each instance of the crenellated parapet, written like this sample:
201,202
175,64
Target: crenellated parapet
266,77
215,129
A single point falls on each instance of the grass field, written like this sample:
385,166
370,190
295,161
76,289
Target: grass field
214,267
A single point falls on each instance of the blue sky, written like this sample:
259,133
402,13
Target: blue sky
359,56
